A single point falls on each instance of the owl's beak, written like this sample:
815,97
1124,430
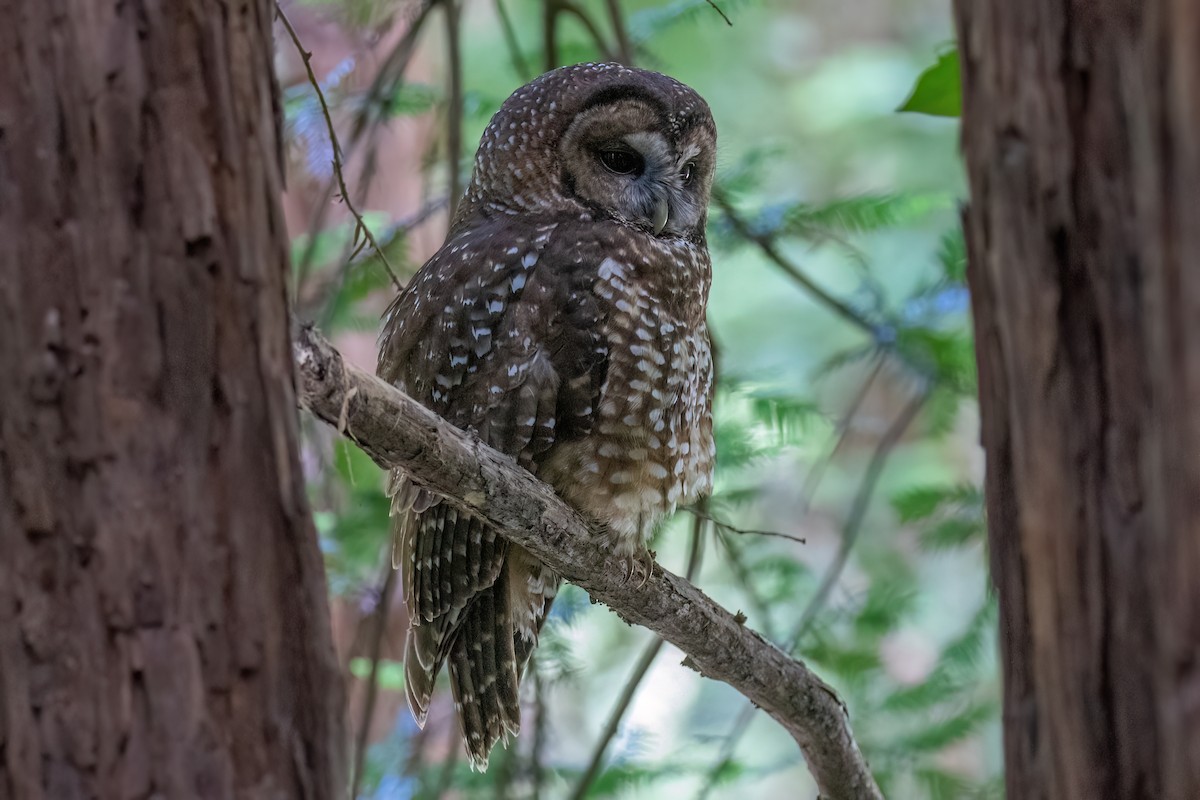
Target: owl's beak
661,212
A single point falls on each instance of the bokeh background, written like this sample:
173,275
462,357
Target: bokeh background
845,410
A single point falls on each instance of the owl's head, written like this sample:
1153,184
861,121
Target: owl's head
625,144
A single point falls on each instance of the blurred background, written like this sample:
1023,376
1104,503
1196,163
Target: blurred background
846,522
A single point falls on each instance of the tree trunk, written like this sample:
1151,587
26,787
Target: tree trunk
1081,128
163,621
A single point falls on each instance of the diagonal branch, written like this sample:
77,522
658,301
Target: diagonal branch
395,430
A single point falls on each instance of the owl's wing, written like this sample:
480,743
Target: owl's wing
498,334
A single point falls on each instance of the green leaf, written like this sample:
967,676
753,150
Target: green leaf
952,533
951,729
936,689
788,419
964,651
857,215
888,601
952,255
947,355
941,785
923,501
919,503
938,91
957,668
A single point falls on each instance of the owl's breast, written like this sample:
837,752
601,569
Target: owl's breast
651,446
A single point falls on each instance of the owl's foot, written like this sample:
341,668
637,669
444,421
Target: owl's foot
639,566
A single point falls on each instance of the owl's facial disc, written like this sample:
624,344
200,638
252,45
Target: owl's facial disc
619,159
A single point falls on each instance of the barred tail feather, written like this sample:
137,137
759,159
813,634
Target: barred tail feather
419,678
483,673
496,635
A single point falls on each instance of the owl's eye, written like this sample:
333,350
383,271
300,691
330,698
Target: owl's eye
689,171
622,162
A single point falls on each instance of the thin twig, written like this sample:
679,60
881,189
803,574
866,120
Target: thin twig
574,10
695,554
641,667
389,235
326,293
742,575
454,115
812,480
537,752
766,244
858,511
335,147
382,85
850,531
364,727
520,65
549,34
717,8
550,11
720,523
617,19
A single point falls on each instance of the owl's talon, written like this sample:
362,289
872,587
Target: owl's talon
640,564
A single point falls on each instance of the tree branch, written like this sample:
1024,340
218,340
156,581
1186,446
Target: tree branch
336,148
396,431
766,243
625,699
382,607
454,116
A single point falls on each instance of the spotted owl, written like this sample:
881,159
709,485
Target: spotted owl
563,322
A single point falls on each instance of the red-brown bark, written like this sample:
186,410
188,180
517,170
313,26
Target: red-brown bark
163,621
1083,231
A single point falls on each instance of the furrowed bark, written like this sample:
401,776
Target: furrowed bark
164,624
1083,232
395,430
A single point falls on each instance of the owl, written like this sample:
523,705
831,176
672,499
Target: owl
563,323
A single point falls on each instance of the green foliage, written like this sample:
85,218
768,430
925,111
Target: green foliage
804,396
410,100
856,215
954,727
938,91
355,538
953,515
388,677
651,22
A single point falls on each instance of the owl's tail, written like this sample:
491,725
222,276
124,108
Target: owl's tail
487,652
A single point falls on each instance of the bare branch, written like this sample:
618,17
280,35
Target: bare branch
382,607
519,64
850,531
720,523
767,245
396,431
361,228
454,114
858,512
617,20
550,12
717,8
635,679
364,120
